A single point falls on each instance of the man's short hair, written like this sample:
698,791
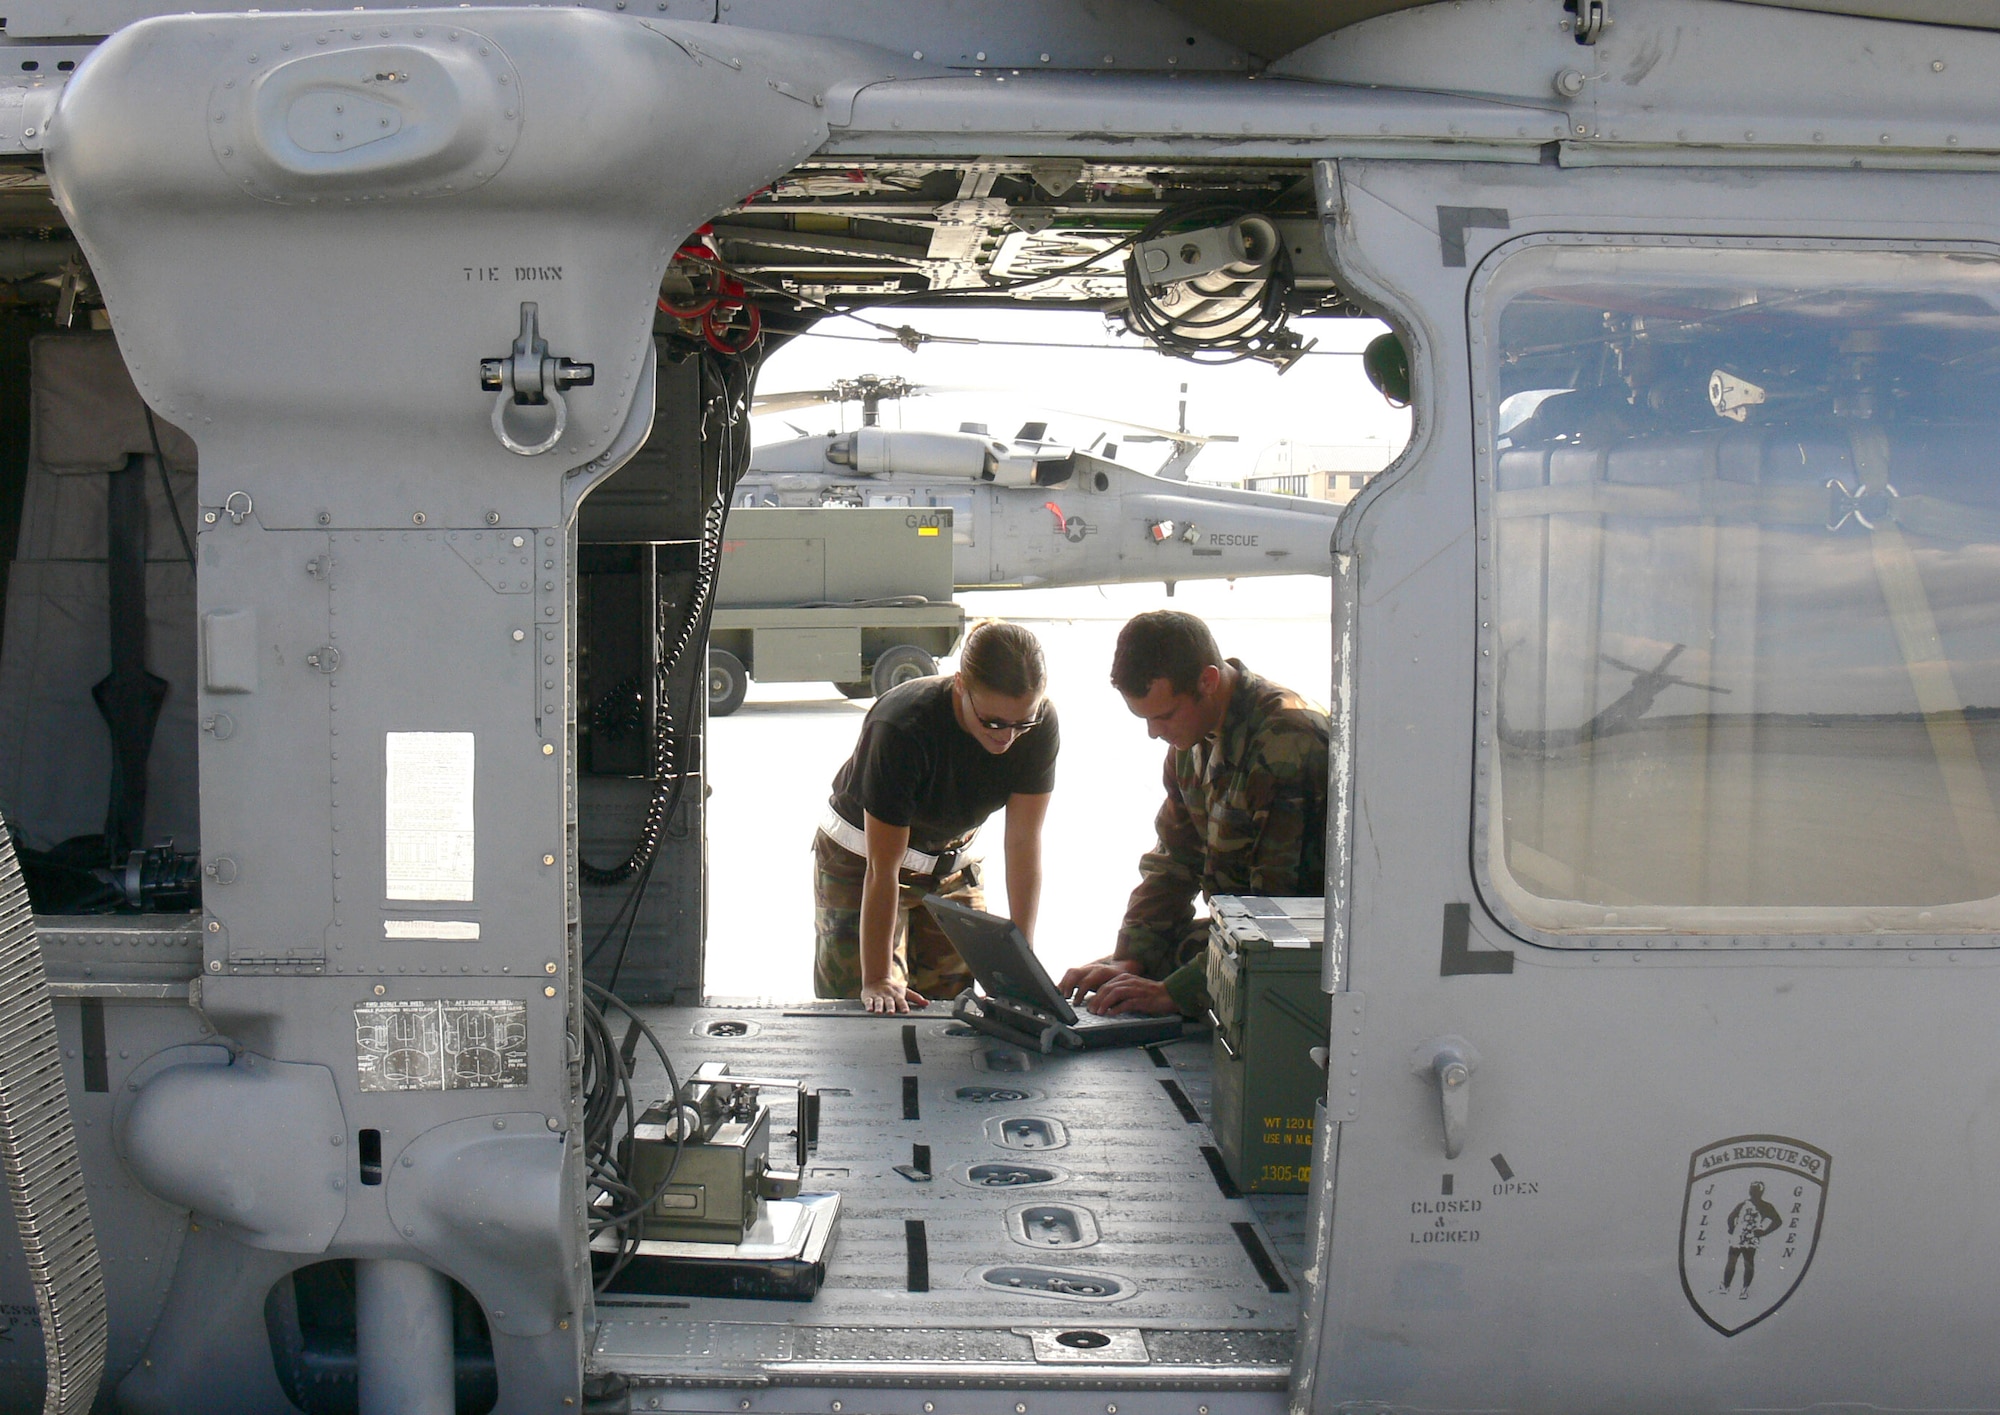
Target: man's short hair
1162,643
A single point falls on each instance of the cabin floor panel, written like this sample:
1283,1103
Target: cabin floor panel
1194,1306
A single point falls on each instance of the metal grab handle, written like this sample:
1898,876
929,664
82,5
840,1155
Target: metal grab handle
1221,1037
1454,1080
1448,1063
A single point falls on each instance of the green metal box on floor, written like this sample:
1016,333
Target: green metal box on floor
1269,1013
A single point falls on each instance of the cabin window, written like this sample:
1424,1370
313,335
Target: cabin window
1740,591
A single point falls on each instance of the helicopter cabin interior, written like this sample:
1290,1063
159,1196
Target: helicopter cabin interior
1674,732
1107,1199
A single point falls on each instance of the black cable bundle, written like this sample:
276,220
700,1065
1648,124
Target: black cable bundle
726,384
608,1063
607,1096
1238,324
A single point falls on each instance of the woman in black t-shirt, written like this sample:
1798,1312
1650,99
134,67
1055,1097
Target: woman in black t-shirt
936,757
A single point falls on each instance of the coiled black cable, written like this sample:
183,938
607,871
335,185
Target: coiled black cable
1242,326
608,1097
607,1065
725,427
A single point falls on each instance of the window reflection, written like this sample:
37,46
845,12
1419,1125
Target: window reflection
1745,663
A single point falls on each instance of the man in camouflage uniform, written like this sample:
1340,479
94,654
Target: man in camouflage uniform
1246,779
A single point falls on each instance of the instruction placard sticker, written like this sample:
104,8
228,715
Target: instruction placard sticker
441,1044
466,930
428,790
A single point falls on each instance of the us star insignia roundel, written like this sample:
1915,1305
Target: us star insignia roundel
1749,1226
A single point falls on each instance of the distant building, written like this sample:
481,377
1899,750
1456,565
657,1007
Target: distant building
1327,471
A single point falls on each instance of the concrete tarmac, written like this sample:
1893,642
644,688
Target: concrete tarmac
771,763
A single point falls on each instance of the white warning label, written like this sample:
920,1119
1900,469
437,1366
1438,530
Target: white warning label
463,929
428,789
443,1045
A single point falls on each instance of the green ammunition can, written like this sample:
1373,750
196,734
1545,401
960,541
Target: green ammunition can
1264,958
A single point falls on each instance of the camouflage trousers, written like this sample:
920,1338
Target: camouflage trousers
923,958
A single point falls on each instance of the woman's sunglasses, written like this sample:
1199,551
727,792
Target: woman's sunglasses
1001,724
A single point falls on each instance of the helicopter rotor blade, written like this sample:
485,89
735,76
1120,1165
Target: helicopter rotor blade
852,391
931,390
1690,683
763,403
1157,434
1658,670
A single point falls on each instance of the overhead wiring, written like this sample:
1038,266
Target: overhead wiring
1239,311
1231,315
1021,282
722,269
982,341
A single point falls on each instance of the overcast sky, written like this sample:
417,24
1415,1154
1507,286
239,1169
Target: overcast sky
1323,398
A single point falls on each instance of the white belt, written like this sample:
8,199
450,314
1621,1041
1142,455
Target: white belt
854,840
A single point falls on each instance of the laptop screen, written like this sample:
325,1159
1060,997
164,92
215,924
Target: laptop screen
999,956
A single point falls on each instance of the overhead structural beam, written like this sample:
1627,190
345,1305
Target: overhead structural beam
860,247
1272,28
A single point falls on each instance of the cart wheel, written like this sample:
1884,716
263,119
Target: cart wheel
727,683
899,665
862,689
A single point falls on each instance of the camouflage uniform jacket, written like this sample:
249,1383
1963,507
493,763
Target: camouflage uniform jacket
1245,814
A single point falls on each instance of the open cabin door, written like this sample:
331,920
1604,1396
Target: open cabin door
1667,857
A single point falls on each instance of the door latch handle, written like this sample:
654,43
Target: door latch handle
1448,1064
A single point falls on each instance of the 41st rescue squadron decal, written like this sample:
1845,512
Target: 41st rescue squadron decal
1749,1226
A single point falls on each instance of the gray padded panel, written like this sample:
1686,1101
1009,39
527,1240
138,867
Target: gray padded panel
87,414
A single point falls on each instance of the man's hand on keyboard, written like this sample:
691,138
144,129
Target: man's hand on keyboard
1078,983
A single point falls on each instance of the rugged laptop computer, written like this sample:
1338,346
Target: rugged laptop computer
1019,1002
